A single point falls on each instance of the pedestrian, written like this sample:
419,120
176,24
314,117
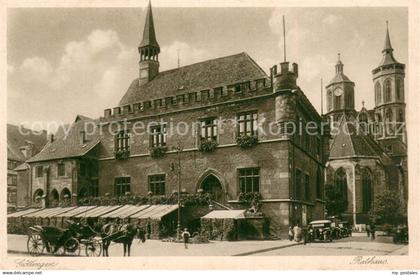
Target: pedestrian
297,233
186,236
290,234
368,230
372,230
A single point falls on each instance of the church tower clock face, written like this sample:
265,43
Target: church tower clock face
338,92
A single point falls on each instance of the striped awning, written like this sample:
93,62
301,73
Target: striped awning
125,211
23,212
225,214
155,212
98,211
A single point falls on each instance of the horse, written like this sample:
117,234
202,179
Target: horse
118,233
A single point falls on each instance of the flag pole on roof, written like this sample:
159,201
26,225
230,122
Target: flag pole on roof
284,39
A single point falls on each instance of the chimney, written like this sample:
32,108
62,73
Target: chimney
51,138
82,137
27,150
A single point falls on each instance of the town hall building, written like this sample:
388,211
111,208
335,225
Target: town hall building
224,127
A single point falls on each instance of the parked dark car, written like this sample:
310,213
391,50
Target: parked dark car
319,230
400,234
345,229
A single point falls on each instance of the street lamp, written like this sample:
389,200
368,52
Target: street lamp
178,150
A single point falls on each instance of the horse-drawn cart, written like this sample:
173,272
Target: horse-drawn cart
61,242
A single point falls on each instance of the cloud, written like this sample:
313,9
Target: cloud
187,55
99,67
36,68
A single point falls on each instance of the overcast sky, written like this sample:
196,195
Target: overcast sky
69,61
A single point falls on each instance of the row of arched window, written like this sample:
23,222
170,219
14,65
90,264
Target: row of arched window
340,181
384,93
54,196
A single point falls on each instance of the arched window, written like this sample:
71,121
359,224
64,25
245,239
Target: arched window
379,125
389,123
349,101
399,88
329,100
400,116
378,92
65,194
363,122
337,102
38,195
53,198
387,90
340,180
367,190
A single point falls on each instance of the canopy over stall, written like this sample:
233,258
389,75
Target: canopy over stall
225,214
159,220
125,211
23,212
98,211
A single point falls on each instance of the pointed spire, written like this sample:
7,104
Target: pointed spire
149,36
387,45
339,66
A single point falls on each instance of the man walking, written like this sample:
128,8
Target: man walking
186,236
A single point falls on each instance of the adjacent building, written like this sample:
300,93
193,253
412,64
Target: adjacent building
22,144
368,151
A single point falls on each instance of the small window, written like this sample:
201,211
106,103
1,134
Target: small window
237,88
209,129
247,124
218,91
249,180
122,186
39,172
158,135
169,100
260,83
192,97
180,99
61,169
157,184
158,103
122,141
205,94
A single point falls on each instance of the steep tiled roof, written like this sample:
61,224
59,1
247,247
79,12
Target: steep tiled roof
69,145
349,143
193,78
18,137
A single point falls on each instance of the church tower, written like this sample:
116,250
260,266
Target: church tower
388,81
340,95
149,51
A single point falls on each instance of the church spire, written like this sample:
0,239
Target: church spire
339,66
149,50
387,45
149,36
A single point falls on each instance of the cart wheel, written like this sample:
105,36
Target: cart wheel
93,249
72,247
35,245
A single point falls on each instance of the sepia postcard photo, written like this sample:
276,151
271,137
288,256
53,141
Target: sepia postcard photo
210,134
